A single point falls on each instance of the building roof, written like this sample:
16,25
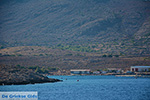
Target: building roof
80,70
114,68
140,66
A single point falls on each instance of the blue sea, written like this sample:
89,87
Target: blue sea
89,88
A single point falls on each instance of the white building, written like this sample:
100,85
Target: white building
96,72
140,68
104,72
80,71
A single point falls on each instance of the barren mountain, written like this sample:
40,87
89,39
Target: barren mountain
108,26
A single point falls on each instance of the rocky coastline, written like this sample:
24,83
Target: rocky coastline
13,75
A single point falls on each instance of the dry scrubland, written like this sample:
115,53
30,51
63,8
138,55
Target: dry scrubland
64,59
106,26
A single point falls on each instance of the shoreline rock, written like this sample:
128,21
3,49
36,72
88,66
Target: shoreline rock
50,80
12,75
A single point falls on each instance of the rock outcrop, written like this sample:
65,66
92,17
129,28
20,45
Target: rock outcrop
13,75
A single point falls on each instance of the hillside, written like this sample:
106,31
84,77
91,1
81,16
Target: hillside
104,26
54,59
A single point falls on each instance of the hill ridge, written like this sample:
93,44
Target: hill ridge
77,23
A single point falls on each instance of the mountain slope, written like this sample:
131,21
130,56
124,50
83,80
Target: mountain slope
29,56
121,26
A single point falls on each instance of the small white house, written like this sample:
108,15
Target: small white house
80,71
96,72
104,72
140,68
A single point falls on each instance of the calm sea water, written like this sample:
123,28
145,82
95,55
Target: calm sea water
89,88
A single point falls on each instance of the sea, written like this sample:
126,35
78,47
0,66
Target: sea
88,88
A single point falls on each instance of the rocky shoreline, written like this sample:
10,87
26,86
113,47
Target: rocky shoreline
13,75
32,81
29,82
